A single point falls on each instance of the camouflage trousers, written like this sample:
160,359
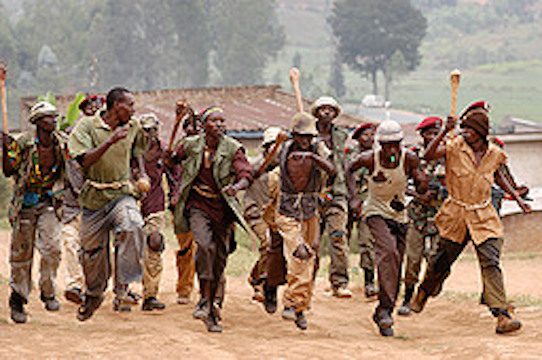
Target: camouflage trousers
71,242
416,250
300,274
334,218
40,220
152,260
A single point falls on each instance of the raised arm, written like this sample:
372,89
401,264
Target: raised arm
365,159
93,155
436,149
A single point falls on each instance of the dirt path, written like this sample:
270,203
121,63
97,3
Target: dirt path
453,326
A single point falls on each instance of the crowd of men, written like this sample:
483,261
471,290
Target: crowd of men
105,176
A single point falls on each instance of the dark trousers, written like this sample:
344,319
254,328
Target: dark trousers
390,241
213,241
489,258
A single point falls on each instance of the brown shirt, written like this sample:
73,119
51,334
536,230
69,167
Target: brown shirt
468,206
217,208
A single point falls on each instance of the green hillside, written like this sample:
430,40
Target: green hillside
498,53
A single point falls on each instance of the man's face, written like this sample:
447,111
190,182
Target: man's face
303,142
326,113
215,125
391,150
367,138
125,108
429,134
151,134
46,123
470,135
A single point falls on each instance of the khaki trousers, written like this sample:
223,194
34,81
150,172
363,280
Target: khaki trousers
335,219
152,260
259,271
298,292
186,264
71,242
40,220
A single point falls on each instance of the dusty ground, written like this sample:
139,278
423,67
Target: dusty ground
453,326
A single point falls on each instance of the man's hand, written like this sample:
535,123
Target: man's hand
450,123
119,133
524,206
355,205
302,252
230,189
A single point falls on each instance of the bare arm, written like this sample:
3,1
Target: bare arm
324,164
6,165
421,181
435,149
503,182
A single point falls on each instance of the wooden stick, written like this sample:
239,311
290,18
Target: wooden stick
294,79
454,82
282,136
4,97
182,110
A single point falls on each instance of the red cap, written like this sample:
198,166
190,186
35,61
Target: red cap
482,104
498,141
362,128
428,122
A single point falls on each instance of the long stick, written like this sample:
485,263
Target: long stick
454,82
282,136
4,97
294,79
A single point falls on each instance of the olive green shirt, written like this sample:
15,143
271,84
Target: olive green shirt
108,178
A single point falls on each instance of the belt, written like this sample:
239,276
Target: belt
470,206
206,191
112,185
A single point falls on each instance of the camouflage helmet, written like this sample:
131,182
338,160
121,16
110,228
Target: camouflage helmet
149,121
325,100
304,124
41,109
389,131
270,135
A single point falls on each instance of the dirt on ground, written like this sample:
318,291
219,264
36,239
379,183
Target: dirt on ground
453,325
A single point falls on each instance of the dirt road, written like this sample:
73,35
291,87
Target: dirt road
453,326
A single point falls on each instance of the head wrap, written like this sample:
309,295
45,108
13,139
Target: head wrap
204,114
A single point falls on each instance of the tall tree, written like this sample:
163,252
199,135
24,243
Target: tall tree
370,32
246,36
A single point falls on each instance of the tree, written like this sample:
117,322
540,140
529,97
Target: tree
370,32
336,79
246,36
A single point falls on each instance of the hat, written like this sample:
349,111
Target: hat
360,129
481,104
149,121
89,99
389,131
325,100
304,124
41,109
498,141
270,135
429,122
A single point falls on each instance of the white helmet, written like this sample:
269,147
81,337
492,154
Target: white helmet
389,131
149,121
41,109
325,100
270,135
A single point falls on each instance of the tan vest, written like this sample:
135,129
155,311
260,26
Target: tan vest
381,194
